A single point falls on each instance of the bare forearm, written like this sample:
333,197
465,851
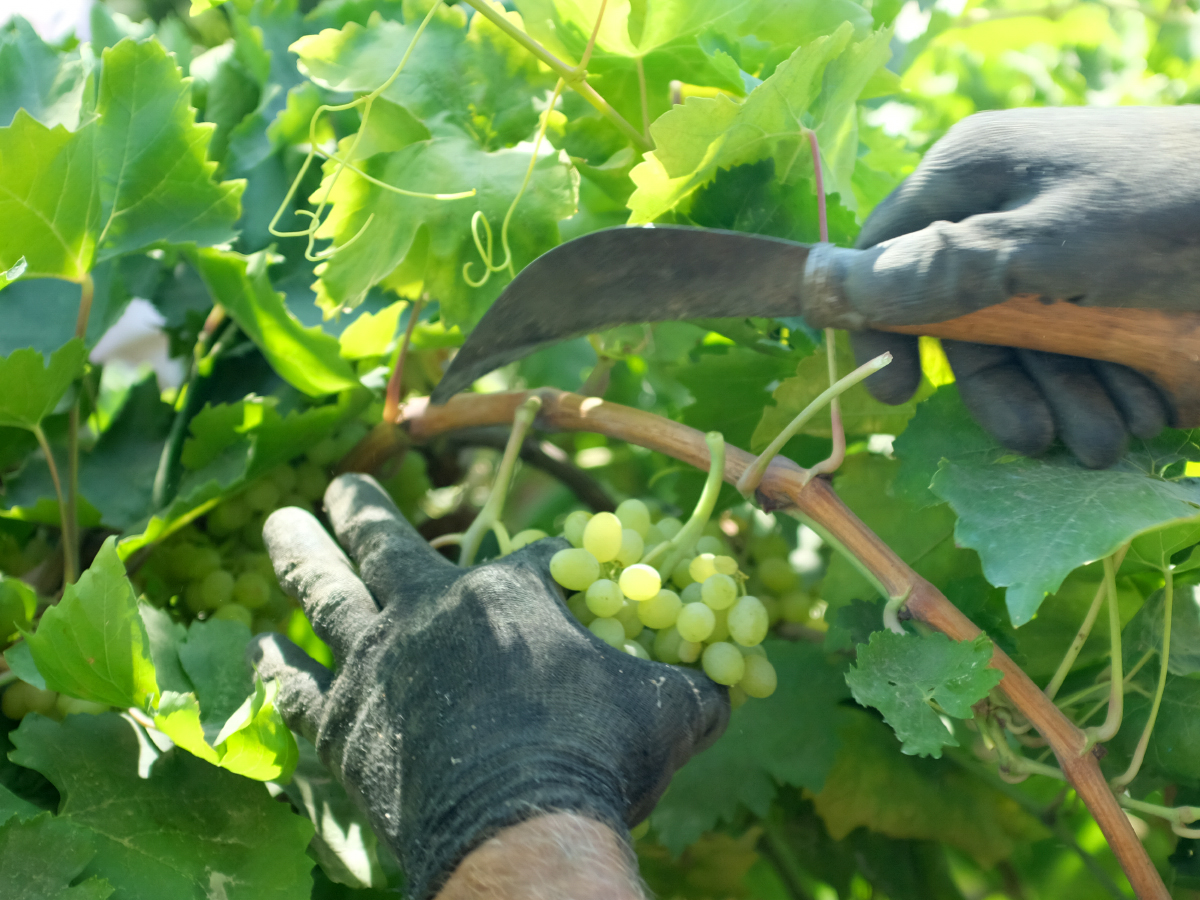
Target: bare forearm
560,855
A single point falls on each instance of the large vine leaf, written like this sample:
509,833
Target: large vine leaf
31,388
213,834
815,88
789,738
92,644
134,175
1035,520
34,77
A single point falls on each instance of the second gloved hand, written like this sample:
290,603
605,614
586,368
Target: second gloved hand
466,700
1099,207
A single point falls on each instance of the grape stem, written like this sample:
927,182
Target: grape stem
1064,668
783,488
395,385
1122,781
1177,816
686,537
1116,699
489,516
753,475
70,543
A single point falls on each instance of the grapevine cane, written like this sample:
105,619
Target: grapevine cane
782,488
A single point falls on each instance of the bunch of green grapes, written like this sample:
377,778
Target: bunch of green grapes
771,577
698,612
217,567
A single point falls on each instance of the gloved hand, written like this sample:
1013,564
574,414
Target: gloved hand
1100,207
466,700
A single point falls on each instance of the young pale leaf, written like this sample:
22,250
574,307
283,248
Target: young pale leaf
1145,630
31,388
816,88
92,644
1035,520
417,244
371,334
789,738
307,358
43,858
18,603
210,827
901,675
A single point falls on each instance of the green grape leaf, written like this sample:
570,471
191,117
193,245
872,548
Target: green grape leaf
372,334
1154,550
31,388
729,391
793,23
901,675
307,358
416,245
213,656
862,414
788,738
816,88
165,636
872,786
213,831
92,644
133,176
43,859
1033,521
35,77
345,846
12,806
20,662
1170,756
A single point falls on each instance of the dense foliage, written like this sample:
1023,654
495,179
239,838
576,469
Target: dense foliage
305,217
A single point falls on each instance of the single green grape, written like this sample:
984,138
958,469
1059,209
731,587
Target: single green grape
324,452
579,608
609,630
527,537
661,610
695,621
575,569
794,607
756,650
723,663
748,621
689,651
628,617
633,648
634,515
710,544
632,547
21,699
284,477
737,697
702,567
604,598
640,582
726,565
693,593
646,638
189,562
311,481
262,496
720,630
252,534
574,525
777,576
666,645
759,678
229,516
653,537
668,527
252,590
602,536
213,590
681,575
235,612
719,591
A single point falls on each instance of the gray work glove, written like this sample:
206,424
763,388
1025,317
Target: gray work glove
1100,207
466,700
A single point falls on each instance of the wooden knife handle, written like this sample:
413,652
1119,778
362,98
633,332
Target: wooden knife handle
1163,346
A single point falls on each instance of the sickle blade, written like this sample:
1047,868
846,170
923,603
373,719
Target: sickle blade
623,276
